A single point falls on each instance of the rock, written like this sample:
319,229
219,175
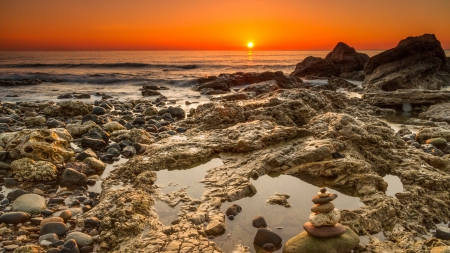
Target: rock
113,152
305,243
176,112
70,246
91,222
53,123
233,210
29,203
323,208
319,200
346,58
68,108
259,222
82,239
129,151
337,155
14,217
95,163
439,143
216,226
71,177
325,219
443,233
49,237
5,128
52,220
324,231
97,110
425,134
269,247
413,64
94,118
316,66
14,194
66,215
437,112
441,249
11,247
54,228
85,154
262,87
113,126
52,145
412,96
26,249
34,121
264,236
97,133
279,199
77,130
26,169
94,144
150,111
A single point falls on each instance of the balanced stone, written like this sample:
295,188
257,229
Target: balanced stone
54,227
14,217
323,208
325,219
318,200
29,203
264,236
324,231
305,243
323,194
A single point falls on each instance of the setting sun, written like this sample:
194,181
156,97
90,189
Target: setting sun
250,44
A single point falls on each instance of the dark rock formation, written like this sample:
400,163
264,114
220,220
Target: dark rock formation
416,63
316,66
347,59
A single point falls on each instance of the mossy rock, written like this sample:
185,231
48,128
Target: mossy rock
304,243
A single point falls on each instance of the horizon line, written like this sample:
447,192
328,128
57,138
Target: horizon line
209,50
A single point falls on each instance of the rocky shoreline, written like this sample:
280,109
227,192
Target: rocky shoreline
53,153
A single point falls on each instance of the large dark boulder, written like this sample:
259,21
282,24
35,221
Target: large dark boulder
347,59
315,66
415,63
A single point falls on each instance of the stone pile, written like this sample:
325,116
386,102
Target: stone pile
323,233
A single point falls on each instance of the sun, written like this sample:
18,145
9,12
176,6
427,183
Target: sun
250,45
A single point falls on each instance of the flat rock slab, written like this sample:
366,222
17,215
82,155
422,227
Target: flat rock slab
29,203
305,243
324,231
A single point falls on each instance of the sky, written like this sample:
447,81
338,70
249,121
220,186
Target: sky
218,24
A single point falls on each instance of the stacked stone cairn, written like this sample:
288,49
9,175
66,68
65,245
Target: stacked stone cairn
324,221
323,233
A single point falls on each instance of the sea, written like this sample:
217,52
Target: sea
120,74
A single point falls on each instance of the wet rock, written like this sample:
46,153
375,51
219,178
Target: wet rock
129,151
14,194
432,132
215,227
443,233
413,64
29,203
96,164
71,177
82,239
113,145
259,222
94,144
26,169
85,154
264,236
316,66
97,110
279,199
14,217
70,246
176,112
437,112
52,145
262,87
304,242
439,143
54,228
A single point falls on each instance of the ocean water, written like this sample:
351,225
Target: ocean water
121,74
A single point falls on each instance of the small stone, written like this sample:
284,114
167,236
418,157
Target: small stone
91,222
45,243
54,227
264,236
318,200
14,217
82,239
259,222
49,237
13,195
443,233
97,110
52,219
86,249
325,219
323,190
11,247
66,215
323,194
230,217
71,177
323,208
29,203
269,247
70,246
337,155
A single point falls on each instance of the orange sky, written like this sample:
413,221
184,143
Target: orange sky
217,24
